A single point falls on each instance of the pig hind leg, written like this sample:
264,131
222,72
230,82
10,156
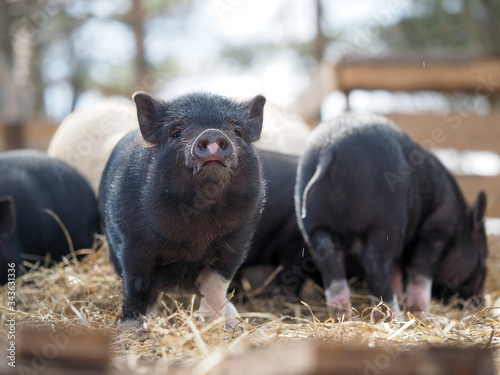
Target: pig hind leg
419,292
421,269
397,282
379,261
329,252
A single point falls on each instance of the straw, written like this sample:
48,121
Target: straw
87,296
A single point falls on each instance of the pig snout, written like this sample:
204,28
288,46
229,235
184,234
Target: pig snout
212,145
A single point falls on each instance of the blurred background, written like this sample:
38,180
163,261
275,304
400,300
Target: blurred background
431,65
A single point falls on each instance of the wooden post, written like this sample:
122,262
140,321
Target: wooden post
14,135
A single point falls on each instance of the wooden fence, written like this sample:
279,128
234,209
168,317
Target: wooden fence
34,134
460,133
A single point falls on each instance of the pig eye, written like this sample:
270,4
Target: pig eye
237,132
176,134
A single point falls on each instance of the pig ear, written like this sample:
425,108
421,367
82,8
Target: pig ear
256,109
148,114
478,211
7,216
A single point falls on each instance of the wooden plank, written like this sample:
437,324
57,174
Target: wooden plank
34,122
15,136
471,185
47,352
40,129
39,136
462,131
303,357
455,131
471,74
324,358
36,134
420,73
64,347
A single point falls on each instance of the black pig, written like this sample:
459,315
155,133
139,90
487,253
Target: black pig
277,239
31,183
362,181
181,199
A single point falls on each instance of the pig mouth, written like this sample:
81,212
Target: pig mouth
213,164
213,171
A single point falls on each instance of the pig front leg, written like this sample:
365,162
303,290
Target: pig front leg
136,297
378,262
329,254
214,304
137,276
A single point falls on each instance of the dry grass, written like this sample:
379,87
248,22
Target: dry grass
87,296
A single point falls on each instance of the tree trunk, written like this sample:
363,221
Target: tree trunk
491,23
136,19
319,41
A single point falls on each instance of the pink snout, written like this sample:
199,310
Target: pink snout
212,145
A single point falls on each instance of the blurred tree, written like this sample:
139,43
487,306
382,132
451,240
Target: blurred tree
444,27
440,26
16,67
319,42
41,48
136,21
309,52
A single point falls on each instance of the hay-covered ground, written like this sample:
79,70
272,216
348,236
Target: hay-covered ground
87,296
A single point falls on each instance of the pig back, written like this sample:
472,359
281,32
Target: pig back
38,183
357,155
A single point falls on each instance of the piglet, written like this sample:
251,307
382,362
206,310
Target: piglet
277,240
365,188
36,192
180,199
